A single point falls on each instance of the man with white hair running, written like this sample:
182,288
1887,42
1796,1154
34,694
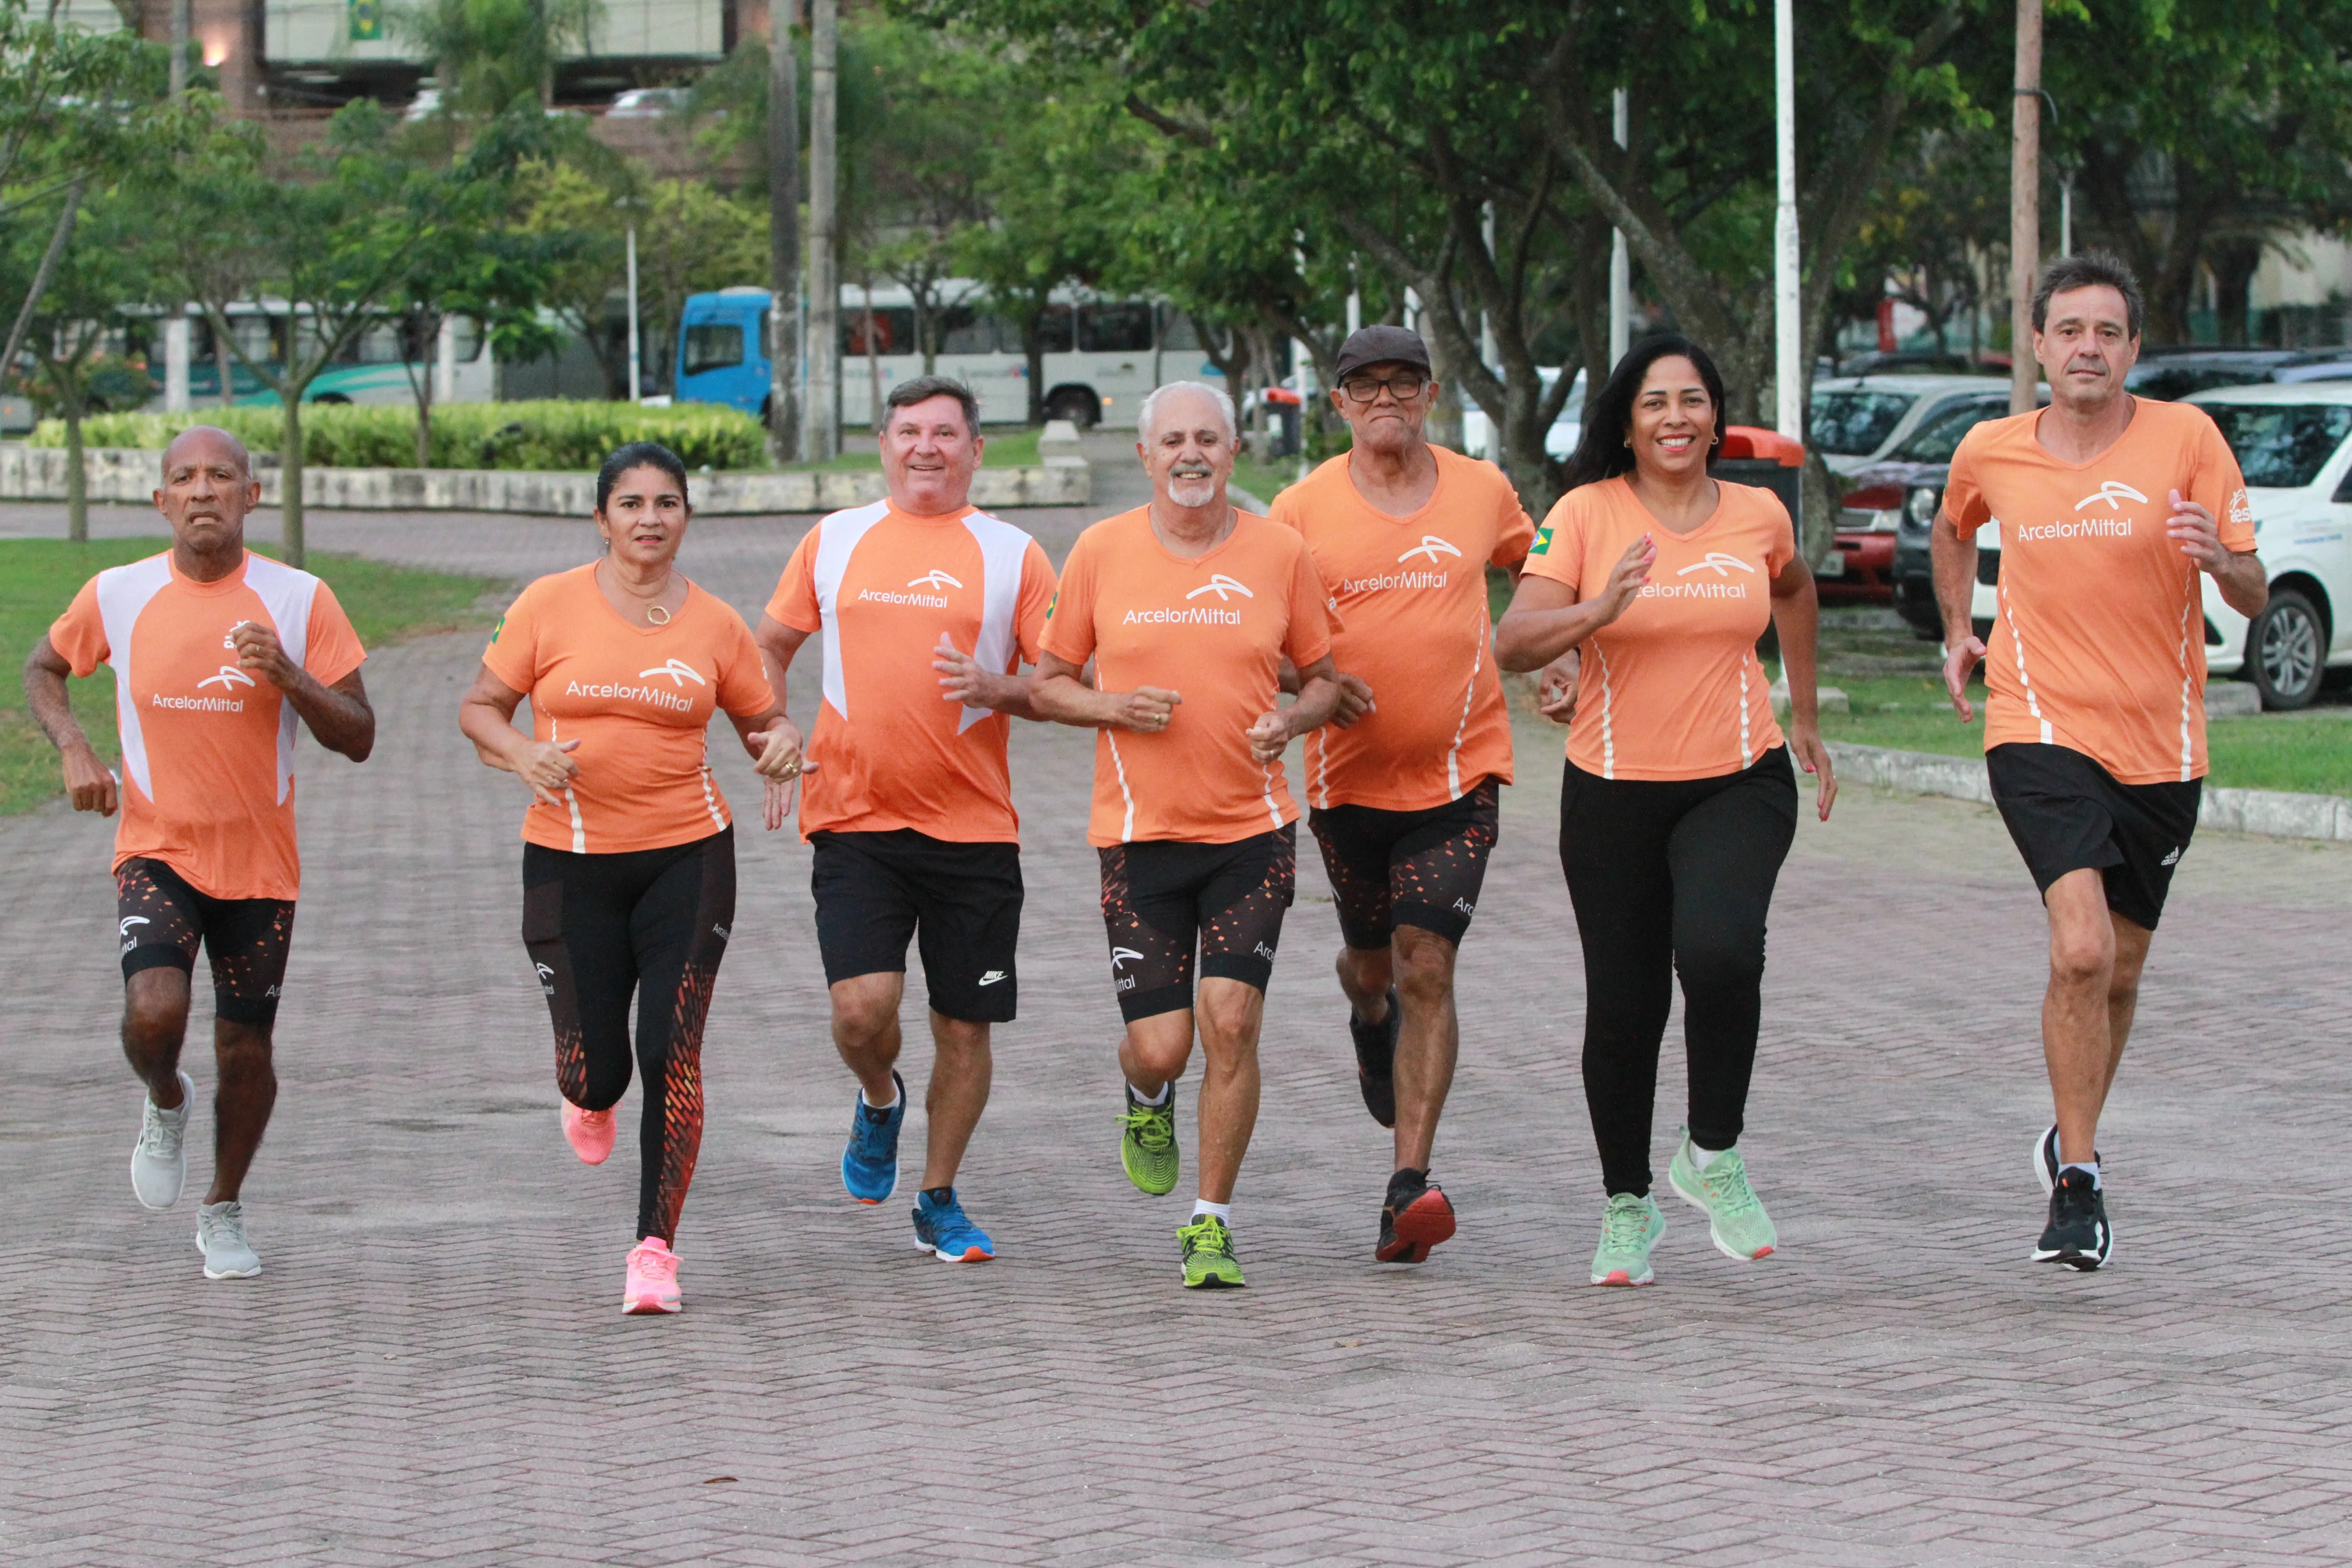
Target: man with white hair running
1187,610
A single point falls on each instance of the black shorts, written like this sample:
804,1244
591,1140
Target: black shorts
961,902
1160,895
1392,869
162,920
2066,813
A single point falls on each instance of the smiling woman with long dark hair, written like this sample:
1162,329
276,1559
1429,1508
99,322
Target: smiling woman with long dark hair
1679,801
628,859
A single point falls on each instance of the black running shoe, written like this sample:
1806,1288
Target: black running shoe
2046,1161
2077,1235
1376,1060
1416,1218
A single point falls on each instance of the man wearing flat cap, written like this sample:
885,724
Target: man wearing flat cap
1403,785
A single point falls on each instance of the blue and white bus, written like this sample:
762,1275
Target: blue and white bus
1102,356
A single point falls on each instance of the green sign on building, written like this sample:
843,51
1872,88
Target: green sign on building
366,18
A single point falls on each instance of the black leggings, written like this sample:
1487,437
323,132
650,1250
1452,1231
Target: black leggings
652,921
1672,875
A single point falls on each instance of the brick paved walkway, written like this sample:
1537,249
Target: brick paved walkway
433,1368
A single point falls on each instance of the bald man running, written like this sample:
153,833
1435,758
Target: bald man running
217,656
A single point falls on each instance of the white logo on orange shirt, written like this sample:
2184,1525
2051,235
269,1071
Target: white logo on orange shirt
229,674
1431,546
2115,492
2240,509
1223,586
678,671
1720,562
934,578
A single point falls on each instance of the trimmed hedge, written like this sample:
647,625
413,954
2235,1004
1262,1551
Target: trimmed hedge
548,436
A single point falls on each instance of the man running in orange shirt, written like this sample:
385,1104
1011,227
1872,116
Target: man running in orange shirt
928,607
1187,610
218,656
2109,508
1403,786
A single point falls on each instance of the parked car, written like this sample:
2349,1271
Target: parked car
1854,421
647,103
2177,374
2294,443
1478,438
1886,495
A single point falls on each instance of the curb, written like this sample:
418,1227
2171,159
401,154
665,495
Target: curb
130,474
2270,813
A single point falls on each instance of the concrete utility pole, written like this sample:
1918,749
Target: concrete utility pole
821,441
783,235
1788,359
1621,263
175,324
2024,203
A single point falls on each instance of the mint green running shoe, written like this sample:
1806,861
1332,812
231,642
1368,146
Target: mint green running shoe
1736,1220
1630,1226
1209,1260
1146,1143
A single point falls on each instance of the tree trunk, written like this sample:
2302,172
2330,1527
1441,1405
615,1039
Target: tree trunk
783,239
1032,350
58,239
76,480
290,479
2234,263
223,362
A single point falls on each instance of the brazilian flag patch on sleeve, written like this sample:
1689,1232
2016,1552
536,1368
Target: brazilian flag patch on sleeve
1543,541
1052,604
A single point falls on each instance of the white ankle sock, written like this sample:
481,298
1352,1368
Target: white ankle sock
1142,1098
1702,1158
1222,1211
2090,1166
884,1106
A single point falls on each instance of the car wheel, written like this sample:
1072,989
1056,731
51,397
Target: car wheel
2285,649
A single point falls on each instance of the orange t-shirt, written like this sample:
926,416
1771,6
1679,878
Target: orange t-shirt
2100,646
1671,689
207,748
881,585
1412,592
1214,630
638,698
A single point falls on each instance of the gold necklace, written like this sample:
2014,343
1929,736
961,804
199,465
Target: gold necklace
657,614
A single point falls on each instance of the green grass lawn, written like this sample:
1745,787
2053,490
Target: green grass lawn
1001,449
2310,753
38,577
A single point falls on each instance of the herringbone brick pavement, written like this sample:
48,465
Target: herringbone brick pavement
433,1368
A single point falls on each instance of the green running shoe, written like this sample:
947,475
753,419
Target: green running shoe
1209,1260
1630,1226
1736,1220
1146,1143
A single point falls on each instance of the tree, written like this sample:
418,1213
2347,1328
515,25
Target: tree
77,111
75,339
336,244
1404,125
491,57
691,239
2201,131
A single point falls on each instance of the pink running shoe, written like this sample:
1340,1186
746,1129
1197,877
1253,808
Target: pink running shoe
652,1279
590,1133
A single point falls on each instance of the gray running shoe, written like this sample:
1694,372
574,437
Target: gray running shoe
220,1237
159,1161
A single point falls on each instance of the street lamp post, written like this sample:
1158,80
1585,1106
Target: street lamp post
636,377
1788,334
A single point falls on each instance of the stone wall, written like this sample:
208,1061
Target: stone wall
130,475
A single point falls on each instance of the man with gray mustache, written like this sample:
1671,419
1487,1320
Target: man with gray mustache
1187,611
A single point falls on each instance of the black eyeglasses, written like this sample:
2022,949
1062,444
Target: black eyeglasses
1406,385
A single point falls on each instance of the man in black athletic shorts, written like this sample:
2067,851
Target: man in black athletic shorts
1403,787
927,607
2110,507
218,656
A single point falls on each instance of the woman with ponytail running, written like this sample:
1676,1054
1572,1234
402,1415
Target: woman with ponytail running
1679,801
628,860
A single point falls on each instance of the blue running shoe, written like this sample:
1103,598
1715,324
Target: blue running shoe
947,1233
869,1165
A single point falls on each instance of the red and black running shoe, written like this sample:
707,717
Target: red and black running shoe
1416,1218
